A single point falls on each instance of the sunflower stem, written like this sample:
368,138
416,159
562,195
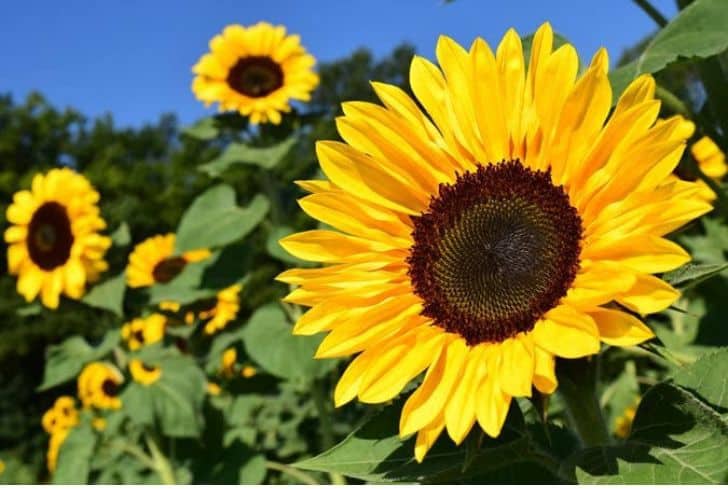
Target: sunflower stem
650,10
161,463
295,473
578,388
326,423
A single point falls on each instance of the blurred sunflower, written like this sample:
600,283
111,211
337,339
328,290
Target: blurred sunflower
61,416
153,262
711,161
227,362
483,241
54,245
144,374
227,304
255,70
98,386
144,331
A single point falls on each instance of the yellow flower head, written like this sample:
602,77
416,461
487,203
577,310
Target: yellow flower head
229,357
99,424
489,234
623,422
54,445
98,386
711,160
225,309
144,374
248,371
213,389
62,416
144,331
54,245
255,70
153,261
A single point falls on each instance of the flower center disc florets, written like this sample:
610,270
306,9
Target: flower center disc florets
167,269
494,251
255,76
50,237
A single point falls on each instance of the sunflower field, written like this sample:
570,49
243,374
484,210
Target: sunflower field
502,264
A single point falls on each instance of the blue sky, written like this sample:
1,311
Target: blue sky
133,58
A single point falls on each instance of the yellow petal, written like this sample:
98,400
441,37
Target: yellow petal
493,404
427,436
328,246
460,409
619,328
544,374
648,295
645,254
517,365
567,333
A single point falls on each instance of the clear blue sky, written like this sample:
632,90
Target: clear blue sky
133,58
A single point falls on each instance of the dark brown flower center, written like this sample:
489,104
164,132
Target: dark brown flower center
148,368
110,388
50,237
139,335
495,251
168,269
255,76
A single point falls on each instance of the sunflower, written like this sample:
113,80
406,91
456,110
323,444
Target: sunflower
248,371
153,262
61,416
518,221
255,70
98,386
144,374
227,362
711,161
623,422
54,245
227,304
144,331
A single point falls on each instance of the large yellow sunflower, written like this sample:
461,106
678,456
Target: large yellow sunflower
255,70
54,245
711,161
515,222
153,261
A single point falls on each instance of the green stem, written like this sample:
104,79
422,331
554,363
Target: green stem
139,454
295,473
327,433
161,463
577,386
652,12
673,102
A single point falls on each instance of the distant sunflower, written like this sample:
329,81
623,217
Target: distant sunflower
54,245
98,386
144,374
227,362
484,239
711,160
61,416
224,310
153,262
54,446
144,331
255,70
623,422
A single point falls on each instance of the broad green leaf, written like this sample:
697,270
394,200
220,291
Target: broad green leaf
121,236
253,470
174,402
698,31
65,361
271,344
691,274
108,295
238,153
214,219
710,247
679,435
203,129
74,457
375,453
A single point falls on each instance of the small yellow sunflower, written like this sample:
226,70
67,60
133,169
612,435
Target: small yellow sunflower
144,374
255,70
98,386
227,305
711,160
54,245
153,262
623,423
99,424
498,230
61,416
227,362
54,446
248,371
140,332
213,389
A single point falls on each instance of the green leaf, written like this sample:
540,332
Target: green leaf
698,31
679,434
174,402
214,219
74,457
375,453
121,236
238,153
271,344
203,129
65,361
690,274
108,295
253,470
